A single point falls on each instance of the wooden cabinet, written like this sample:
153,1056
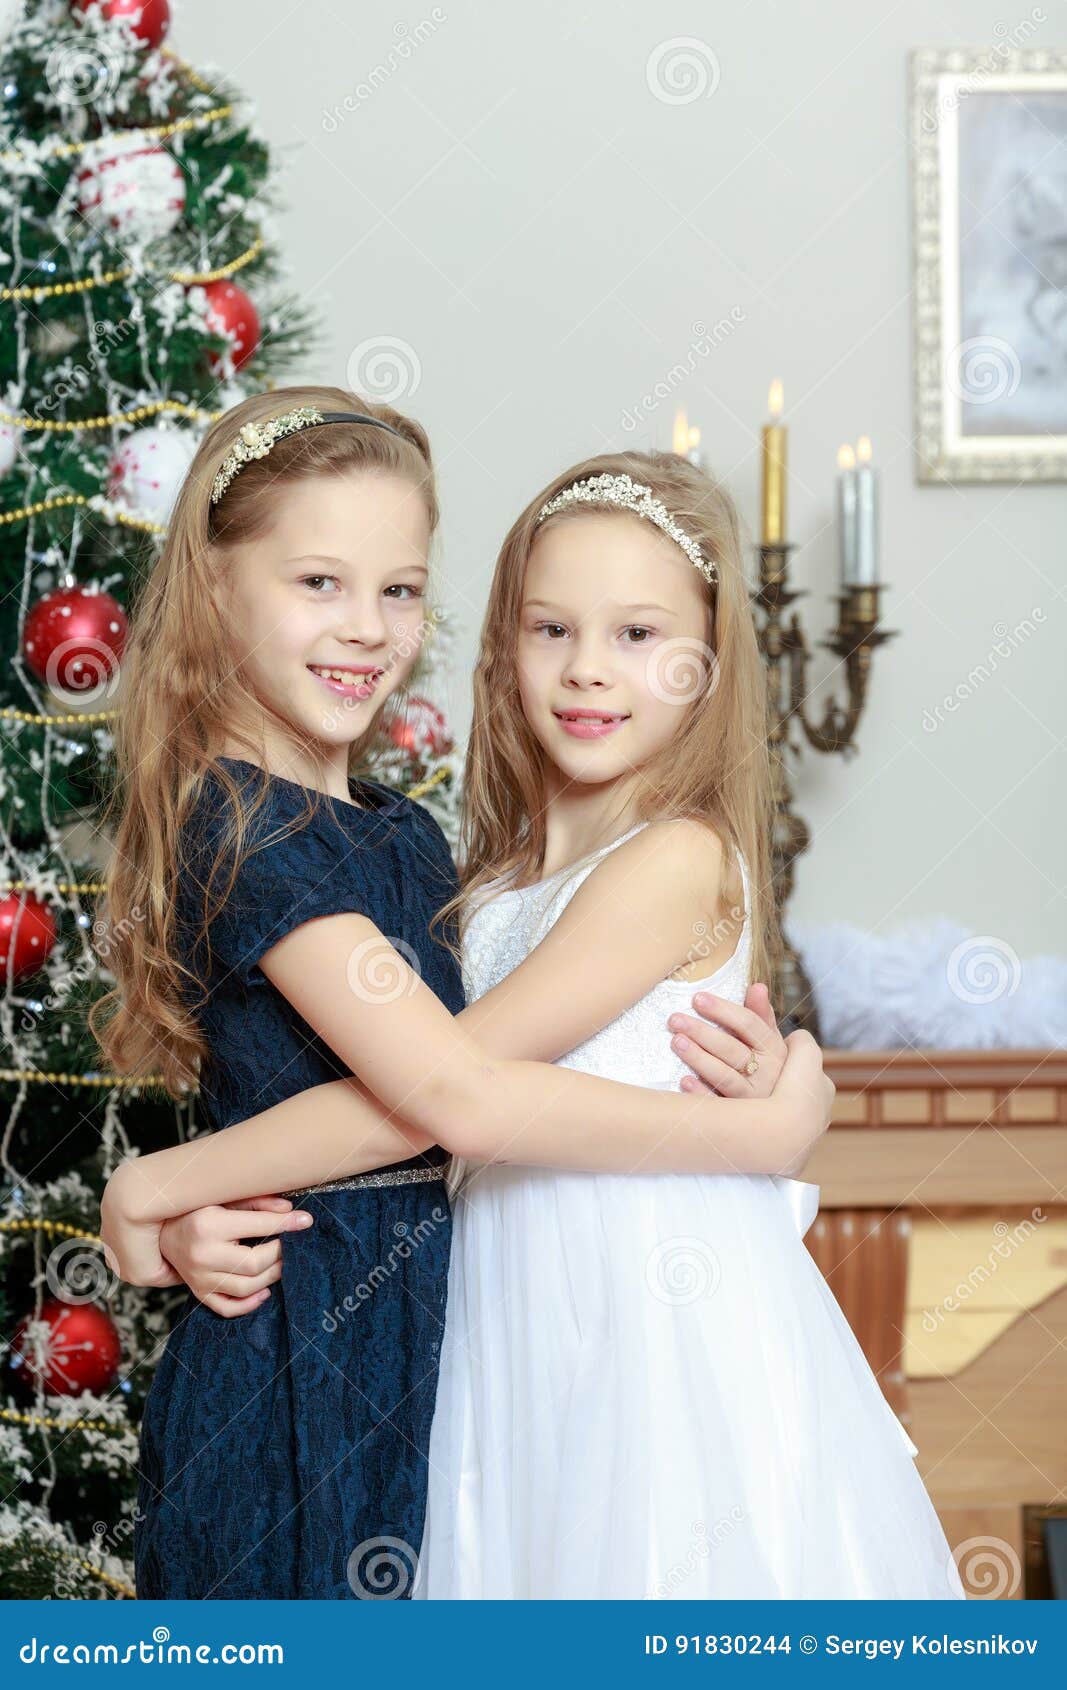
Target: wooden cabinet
942,1232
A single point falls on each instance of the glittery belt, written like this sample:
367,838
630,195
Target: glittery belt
356,1182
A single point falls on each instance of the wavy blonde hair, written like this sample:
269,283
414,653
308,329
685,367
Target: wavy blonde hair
715,767
182,701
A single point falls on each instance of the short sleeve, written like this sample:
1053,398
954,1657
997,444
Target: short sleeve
288,874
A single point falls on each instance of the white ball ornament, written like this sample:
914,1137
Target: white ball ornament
148,469
9,446
130,187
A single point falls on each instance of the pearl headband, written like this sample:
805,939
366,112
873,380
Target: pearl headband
256,439
625,494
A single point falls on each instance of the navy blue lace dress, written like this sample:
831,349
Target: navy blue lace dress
283,1453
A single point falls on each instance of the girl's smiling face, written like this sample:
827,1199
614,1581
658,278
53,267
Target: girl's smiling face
336,584
612,643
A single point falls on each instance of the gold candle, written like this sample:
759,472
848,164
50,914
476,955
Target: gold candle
774,462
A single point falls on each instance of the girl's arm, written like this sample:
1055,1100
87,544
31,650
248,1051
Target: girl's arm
563,992
479,1107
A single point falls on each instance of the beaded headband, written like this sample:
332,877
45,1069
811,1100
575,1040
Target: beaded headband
256,439
625,494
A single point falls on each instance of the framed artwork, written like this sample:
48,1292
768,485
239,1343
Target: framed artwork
989,207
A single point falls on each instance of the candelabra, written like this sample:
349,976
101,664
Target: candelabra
787,656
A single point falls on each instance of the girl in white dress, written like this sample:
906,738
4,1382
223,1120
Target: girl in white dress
646,1386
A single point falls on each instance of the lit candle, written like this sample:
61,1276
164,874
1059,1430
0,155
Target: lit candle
687,440
846,513
866,569
774,461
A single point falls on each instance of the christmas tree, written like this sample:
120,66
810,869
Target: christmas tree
142,295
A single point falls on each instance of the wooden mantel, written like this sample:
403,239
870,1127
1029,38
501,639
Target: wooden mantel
953,1128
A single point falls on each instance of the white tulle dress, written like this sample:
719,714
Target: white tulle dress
647,1388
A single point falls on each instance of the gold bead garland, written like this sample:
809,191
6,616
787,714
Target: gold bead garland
137,414
38,1224
153,131
98,1573
124,521
116,1082
84,284
68,719
68,888
51,1424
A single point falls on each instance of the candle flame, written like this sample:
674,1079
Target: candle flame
681,434
775,398
863,449
694,437
846,457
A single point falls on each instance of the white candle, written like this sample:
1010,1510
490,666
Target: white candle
846,513
687,440
866,572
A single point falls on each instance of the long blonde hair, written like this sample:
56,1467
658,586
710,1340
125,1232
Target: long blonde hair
182,701
716,765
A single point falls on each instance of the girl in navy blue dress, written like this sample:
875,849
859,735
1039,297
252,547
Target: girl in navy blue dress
269,927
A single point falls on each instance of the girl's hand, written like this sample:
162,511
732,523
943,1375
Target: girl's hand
228,1277
131,1246
805,1097
719,1046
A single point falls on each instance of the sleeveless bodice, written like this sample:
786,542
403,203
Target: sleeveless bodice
506,925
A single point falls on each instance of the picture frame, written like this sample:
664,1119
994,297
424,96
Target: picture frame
989,219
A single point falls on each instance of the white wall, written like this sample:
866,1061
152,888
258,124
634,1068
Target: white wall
513,202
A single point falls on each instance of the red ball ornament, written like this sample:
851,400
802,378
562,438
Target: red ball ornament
149,19
231,312
78,1350
420,729
27,934
73,640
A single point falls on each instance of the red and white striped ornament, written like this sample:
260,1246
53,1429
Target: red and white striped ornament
131,187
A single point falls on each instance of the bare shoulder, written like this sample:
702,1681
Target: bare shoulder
677,861
680,870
